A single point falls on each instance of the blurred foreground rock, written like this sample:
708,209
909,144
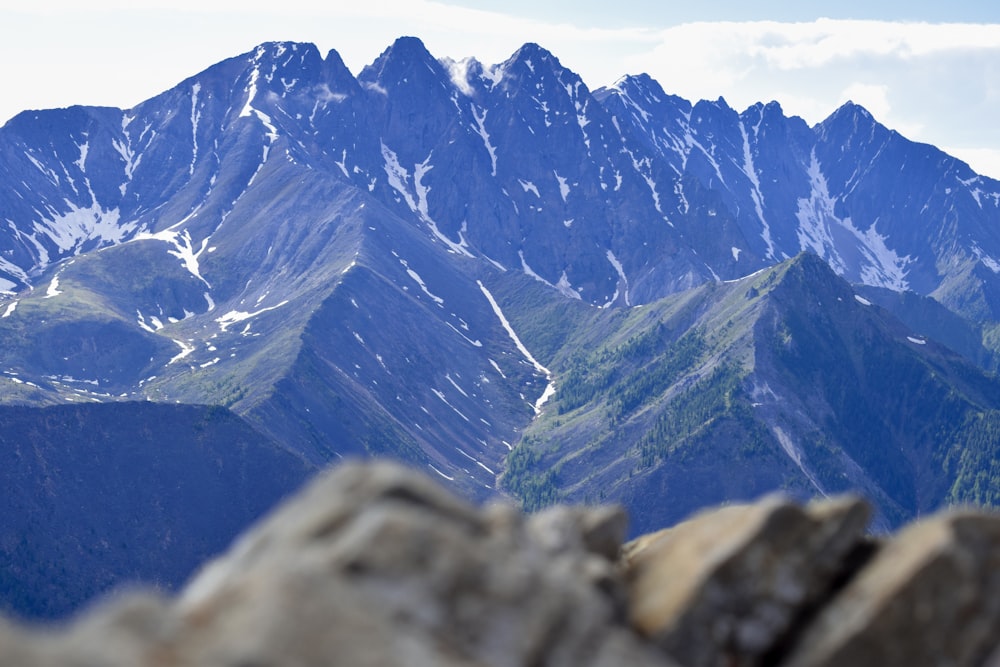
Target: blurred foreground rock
373,564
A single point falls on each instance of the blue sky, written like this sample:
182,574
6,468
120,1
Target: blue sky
930,70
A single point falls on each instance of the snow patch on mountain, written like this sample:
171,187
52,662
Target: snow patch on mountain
420,281
248,109
497,369
693,143
563,185
399,180
49,173
141,321
130,159
885,267
444,400
566,287
419,188
398,176
815,215
195,118
480,128
877,265
528,186
642,167
53,289
563,286
447,477
234,316
454,384
758,198
14,270
186,349
622,278
182,248
550,390
71,230
473,343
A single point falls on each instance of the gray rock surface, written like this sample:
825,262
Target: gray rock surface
729,585
930,597
375,565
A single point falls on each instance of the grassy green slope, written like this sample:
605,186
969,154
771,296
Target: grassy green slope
781,381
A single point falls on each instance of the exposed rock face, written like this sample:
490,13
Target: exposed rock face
935,589
376,565
730,584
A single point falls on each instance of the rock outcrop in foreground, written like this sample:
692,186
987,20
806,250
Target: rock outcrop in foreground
374,564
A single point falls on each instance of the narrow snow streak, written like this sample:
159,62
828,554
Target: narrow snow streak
195,117
481,131
399,179
420,281
444,400
622,278
758,198
447,477
551,388
234,316
454,384
248,108
563,286
473,343
496,367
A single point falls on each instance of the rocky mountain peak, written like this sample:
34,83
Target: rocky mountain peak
406,64
533,67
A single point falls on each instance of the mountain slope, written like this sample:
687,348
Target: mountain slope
408,262
97,496
783,380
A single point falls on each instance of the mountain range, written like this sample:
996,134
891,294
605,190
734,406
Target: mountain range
518,284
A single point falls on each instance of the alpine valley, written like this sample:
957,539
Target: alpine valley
517,284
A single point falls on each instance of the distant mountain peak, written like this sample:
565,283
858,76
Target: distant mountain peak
538,62
404,52
629,84
851,113
532,50
407,62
